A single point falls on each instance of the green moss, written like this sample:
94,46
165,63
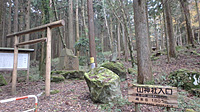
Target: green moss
117,68
57,78
101,75
2,80
184,78
189,110
54,92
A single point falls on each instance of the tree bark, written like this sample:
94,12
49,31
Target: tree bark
9,24
91,31
118,41
77,26
198,15
16,16
165,28
107,27
185,6
143,52
71,41
84,19
27,16
170,31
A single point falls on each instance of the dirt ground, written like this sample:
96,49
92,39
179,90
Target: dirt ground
73,95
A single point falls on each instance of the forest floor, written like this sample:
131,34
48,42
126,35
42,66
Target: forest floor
73,95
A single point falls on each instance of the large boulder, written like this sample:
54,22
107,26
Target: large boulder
2,80
117,68
184,78
104,85
68,61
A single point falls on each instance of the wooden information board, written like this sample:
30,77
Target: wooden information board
165,96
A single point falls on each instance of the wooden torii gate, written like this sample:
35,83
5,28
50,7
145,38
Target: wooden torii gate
16,35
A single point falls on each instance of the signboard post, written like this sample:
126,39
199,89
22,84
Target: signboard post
165,96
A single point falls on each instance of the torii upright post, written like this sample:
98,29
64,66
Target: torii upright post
14,77
48,62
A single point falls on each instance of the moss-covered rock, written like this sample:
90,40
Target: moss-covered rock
2,80
104,85
184,78
57,78
117,68
73,74
54,92
189,110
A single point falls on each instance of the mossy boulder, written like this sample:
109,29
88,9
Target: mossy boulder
104,85
57,78
72,74
117,68
184,78
2,80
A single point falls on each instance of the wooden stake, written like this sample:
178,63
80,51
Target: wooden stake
48,62
14,75
136,107
28,67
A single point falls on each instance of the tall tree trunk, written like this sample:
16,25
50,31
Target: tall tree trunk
77,26
91,31
156,34
84,19
16,16
165,28
143,52
161,35
9,42
124,42
71,41
27,22
198,15
3,25
185,6
107,27
172,50
118,40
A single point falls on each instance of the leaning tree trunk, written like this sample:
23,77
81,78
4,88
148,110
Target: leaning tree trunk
143,52
185,7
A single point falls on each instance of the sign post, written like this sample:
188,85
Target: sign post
165,96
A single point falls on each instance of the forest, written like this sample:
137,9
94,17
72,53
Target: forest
93,55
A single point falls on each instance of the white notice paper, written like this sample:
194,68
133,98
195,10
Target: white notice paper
7,60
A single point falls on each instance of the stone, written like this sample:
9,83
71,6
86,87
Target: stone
2,80
104,85
71,74
117,68
57,78
67,60
184,78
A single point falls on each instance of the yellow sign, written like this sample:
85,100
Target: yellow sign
153,95
92,60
